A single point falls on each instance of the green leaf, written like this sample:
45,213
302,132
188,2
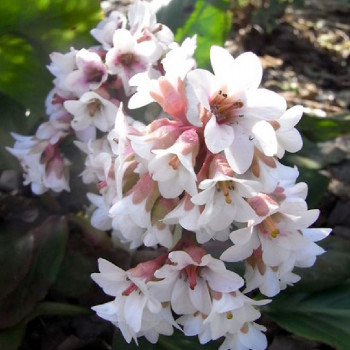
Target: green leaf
175,14
323,316
331,268
49,246
211,21
309,160
316,155
11,338
73,279
29,33
323,129
16,254
317,184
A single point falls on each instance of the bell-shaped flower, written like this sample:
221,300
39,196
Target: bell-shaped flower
173,167
105,29
90,74
92,110
189,278
128,57
134,310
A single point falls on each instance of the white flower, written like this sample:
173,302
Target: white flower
43,165
168,90
279,243
288,137
235,111
128,57
189,279
249,338
90,74
144,26
222,196
61,65
231,313
92,109
134,310
105,29
173,167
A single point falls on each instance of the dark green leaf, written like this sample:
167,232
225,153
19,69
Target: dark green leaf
316,155
16,254
323,316
312,158
322,129
29,33
175,14
74,279
317,184
49,245
11,338
211,21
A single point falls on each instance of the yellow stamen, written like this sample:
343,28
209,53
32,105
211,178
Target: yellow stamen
94,106
225,186
271,227
229,315
174,162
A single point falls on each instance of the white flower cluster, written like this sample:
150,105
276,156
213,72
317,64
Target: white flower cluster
208,162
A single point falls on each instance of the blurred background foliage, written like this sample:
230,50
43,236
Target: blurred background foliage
48,249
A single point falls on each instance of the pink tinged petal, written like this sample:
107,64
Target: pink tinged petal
200,296
218,136
266,135
316,234
171,98
247,72
240,153
265,104
224,281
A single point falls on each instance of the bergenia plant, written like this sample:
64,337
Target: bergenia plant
203,166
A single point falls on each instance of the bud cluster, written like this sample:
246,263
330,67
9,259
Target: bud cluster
206,165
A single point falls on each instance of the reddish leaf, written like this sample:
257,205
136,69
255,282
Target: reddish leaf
49,247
